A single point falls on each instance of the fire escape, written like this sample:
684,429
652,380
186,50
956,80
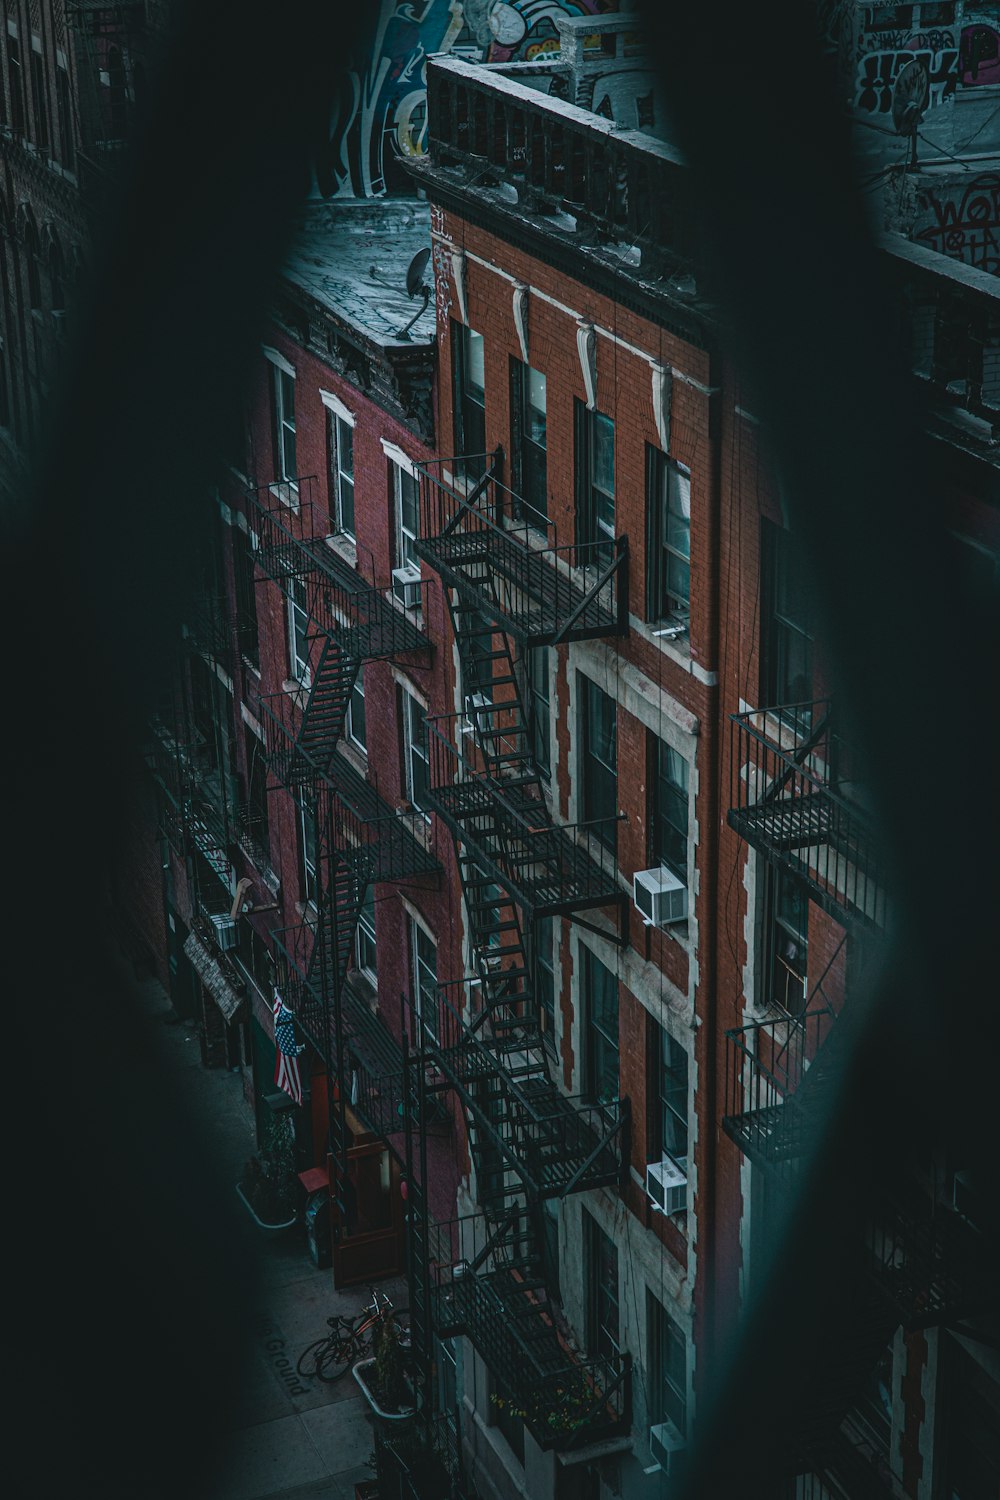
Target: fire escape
487,1275
796,803
362,839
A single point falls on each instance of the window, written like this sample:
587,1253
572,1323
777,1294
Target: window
469,374
340,441
298,631
787,636
668,511
488,914
246,596
595,485
670,810
356,731
407,507
667,1365
786,943
307,848
446,1366
602,1290
540,708
365,942
256,826
600,998
528,442
891,17
545,979
39,101
669,1126
65,107
599,762
424,957
283,396
415,750
16,75
117,95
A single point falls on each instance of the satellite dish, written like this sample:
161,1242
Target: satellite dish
909,100
415,283
417,267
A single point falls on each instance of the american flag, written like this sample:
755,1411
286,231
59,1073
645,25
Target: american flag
286,1068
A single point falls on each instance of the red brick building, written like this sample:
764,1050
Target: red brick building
503,748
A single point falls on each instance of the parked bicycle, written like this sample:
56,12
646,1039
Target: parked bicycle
349,1339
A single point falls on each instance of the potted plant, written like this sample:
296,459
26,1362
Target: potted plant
382,1376
269,1188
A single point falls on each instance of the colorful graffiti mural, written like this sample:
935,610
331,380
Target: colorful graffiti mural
954,59
381,116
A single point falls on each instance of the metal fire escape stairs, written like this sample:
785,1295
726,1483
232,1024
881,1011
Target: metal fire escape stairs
361,839
529,1143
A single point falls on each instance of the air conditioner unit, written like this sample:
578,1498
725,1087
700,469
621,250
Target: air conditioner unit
476,720
667,1447
226,933
406,585
666,1186
660,896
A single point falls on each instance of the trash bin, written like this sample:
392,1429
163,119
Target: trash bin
318,1237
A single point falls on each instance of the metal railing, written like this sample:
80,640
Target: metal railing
789,800
620,184
533,585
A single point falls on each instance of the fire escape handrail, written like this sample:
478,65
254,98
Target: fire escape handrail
794,767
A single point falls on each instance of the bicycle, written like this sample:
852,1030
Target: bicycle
349,1340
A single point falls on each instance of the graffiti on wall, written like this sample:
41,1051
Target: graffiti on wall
954,59
962,220
381,116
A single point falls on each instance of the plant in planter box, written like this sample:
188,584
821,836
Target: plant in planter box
270,1185
388,1374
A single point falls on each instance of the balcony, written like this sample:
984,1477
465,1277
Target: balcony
793,802
294,542
547,869
208,628
483,1285
533,588
553,1144
930,1262
196,802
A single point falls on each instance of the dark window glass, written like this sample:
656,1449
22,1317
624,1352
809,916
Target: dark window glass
668,501
670,1125
667,1393
307,848
786,942
246,596
670,809
602,1286
601,1011
256,827
407,496
541,707
528,442
545,978
117,95
599,756
283,390
417,752
341,447
16,75
468,357
787,637
39,101
595,485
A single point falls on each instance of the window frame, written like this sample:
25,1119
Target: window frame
419,966
665,788
468,411
776,970
595,538
782,634
282,386
669,1096
539,684
299,666
667,481
308,850
605,825
365,937
601,1039
339,422
529,454
415,747
545,979
666,1396
350,718
603,1332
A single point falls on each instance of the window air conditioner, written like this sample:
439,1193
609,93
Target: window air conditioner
666,1446
666,1186
226,934
476,719
406,585
660,896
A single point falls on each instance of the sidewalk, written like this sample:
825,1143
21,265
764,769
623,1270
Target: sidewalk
291,1437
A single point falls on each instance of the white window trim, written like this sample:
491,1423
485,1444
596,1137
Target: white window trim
305,680
276,358
393,452
360,745
408,747
333,403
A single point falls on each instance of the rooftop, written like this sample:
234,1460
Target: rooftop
352,255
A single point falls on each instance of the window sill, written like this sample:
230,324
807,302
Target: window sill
345,547
308,911
297,691
287,492
677,648
354,754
